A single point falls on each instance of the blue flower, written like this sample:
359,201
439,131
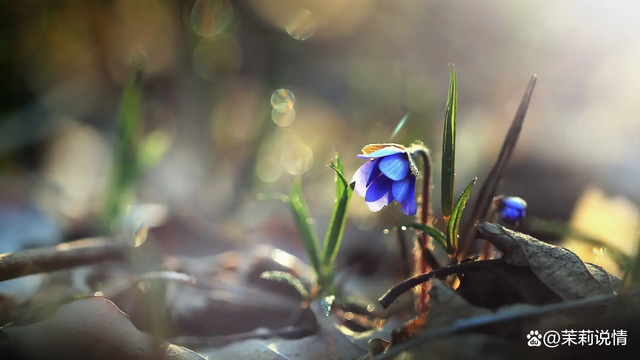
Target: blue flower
512,209
389,175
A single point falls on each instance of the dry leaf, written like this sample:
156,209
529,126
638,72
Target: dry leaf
331,342
92,328
447,306
499,284
560,269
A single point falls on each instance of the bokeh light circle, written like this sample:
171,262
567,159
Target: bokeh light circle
283,119
296,158
303,26
211,17
282,100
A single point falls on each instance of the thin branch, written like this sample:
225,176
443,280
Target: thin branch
63,256
392,294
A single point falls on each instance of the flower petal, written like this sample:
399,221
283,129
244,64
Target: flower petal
390,150
400,189
395,167
375,172
361,177
409,203
379,194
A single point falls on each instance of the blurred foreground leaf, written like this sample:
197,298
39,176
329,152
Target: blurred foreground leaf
285,277
92,328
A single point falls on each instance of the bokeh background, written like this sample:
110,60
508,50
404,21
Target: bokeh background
352,70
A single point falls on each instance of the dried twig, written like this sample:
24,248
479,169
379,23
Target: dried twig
392,294
63,256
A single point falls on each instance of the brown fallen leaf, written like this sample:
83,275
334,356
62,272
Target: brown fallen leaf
332,341
499,284
91,328
558,268
447,306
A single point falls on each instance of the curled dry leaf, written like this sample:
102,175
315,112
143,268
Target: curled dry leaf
499,284
558,268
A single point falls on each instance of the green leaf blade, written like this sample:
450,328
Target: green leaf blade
434,233
449,145
307,232
126,169
335,230
454,223
341,181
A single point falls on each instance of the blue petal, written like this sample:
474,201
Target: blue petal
515,203
512,215
361,176
395,167
379,194
400,189
375,172
409,204
389,150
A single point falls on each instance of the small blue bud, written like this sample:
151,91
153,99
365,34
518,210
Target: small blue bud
512,209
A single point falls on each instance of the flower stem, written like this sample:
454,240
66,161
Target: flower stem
425,261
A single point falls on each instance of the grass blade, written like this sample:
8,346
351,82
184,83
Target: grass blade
489,188
449,145
341,181
126,168
456,215
559,228
438,236
336,224
307,232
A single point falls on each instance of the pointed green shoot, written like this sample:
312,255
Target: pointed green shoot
449,145
341,181
336,224
306,230
435,234
456,215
